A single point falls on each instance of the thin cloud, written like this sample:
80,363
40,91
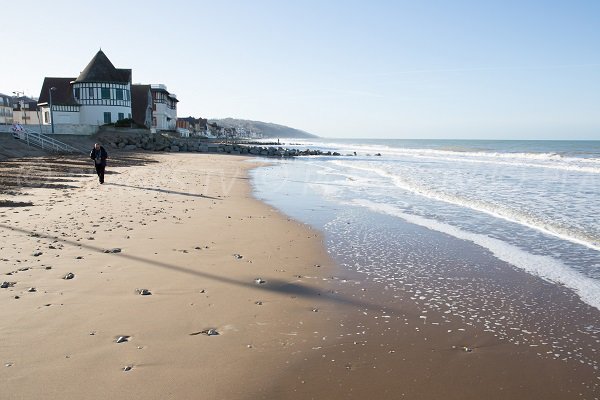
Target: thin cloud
472,69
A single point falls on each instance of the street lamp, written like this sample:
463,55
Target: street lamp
52,89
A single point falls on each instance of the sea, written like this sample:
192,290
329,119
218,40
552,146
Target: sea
389,207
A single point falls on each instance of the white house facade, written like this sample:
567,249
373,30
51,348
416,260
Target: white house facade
102,102
164,108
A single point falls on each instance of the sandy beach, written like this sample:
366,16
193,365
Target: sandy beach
241,302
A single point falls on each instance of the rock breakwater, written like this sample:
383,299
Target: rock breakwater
159,142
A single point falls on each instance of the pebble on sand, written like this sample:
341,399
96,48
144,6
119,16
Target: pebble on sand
70,275
207,332
115,250
121,339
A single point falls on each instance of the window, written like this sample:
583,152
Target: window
105,93
77,93
129,115
153,121
107,118
46,117
91,92
121,116
119,94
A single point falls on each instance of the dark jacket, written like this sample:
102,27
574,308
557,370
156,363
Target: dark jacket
103,155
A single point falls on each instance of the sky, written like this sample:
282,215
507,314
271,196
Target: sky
336,68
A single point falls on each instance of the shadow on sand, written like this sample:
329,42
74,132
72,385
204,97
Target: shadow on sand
273,285
163,191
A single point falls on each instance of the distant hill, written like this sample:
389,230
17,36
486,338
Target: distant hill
267,129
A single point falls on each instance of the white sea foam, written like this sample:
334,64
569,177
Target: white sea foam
524,218
524,159
544,267
517,160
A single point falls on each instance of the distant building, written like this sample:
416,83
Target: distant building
6,110
196,126
25,111
164,108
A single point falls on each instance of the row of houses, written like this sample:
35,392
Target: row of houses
101,94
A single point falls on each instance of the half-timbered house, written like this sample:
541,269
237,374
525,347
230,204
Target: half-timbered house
101,94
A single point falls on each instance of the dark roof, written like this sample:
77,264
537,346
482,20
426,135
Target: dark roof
140,102
188,119
100,69
63,94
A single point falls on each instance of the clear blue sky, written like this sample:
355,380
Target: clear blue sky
394,69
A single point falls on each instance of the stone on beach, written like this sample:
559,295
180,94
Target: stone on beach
259,281
115,250
207,332
70,275
122,339
143,292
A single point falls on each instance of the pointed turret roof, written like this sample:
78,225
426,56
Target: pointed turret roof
100,69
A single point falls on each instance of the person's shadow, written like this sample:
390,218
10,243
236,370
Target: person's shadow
163,191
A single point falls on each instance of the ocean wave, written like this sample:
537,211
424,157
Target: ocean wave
552,160
545,267
520,217
564,164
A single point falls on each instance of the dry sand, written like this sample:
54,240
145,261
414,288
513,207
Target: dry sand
185,227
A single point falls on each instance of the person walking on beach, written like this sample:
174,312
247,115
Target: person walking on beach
99,155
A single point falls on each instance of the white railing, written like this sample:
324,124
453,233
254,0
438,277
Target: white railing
43,142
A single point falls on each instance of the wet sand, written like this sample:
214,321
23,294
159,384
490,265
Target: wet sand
289,322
